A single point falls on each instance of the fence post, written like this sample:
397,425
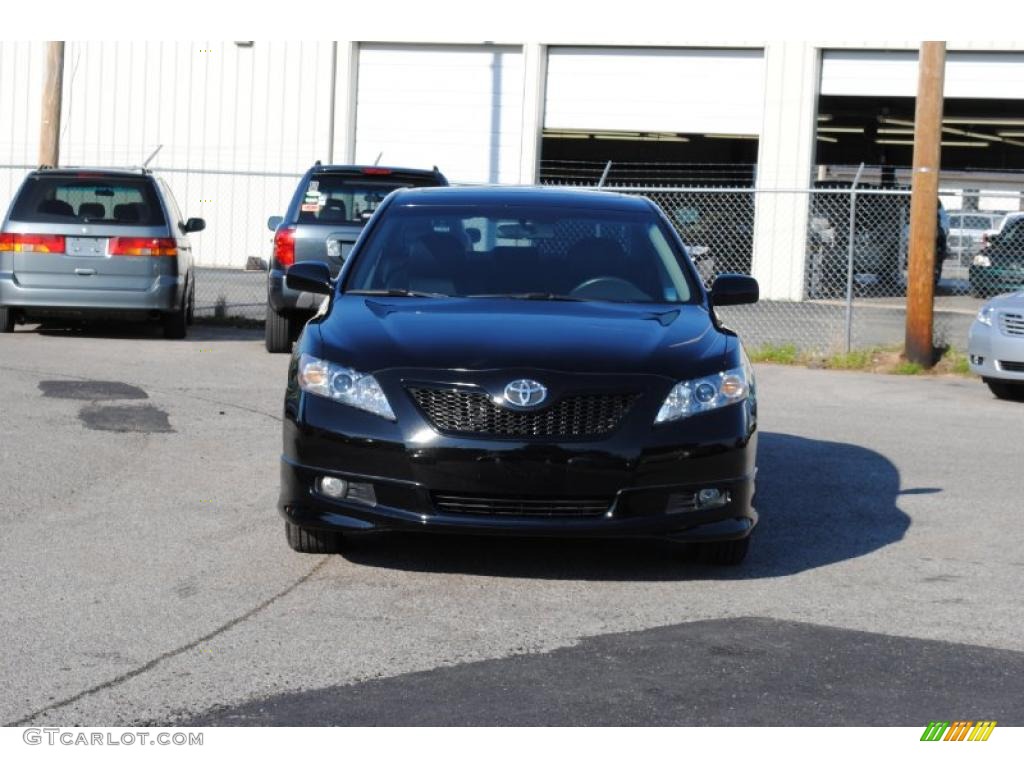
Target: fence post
849,259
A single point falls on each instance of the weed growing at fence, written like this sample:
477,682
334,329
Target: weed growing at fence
872,360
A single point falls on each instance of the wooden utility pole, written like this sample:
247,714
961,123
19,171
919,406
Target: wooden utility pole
53,87
924,201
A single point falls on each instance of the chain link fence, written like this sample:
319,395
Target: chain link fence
832,262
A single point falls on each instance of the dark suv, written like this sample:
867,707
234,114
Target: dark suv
86,242
323,221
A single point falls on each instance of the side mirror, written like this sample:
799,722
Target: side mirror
194,225
729,289
309,276
274,222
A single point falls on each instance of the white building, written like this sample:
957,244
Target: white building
238,122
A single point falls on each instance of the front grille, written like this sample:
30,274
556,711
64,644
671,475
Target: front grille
465,412
459,504
1011,367
1012,324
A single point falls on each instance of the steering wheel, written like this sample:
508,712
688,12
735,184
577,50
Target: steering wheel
609,289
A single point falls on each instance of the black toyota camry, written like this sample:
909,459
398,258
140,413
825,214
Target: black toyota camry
519,361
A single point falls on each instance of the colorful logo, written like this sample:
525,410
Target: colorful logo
960,730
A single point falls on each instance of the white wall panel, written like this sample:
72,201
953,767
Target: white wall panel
894,73
456,107
655,89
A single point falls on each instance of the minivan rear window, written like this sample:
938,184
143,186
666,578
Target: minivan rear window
334,198
82,199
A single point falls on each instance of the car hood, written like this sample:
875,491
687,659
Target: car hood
373,334
1009,301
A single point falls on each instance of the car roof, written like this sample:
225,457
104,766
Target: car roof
562,197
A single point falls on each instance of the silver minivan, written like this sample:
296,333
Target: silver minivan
93,242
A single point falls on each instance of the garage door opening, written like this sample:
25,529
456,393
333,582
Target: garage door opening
978,135
645,159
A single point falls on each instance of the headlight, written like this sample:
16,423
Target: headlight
985,316
982,260
706,394
336,382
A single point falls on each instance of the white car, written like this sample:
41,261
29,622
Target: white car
967,230
996,345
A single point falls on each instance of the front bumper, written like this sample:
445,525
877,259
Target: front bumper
647,475
991,352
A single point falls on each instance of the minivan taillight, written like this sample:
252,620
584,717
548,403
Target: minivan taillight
143,246
284,246
15,241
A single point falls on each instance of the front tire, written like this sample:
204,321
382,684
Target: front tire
6,320
279,331
1006,390
727,553
312,542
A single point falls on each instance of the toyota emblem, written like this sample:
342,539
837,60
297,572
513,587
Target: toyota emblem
525,393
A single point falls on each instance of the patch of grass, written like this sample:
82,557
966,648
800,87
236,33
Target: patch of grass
907,368
854,360
781,354
954,362
887,359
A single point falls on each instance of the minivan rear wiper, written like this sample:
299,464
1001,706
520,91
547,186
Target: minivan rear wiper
397,292
529,296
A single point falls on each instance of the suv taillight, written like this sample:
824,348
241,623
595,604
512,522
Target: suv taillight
284,246
19,243
143,246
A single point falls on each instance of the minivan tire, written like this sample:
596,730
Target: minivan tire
278,331
175,323
6,320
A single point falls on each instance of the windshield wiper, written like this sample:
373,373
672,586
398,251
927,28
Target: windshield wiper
529,296
397,292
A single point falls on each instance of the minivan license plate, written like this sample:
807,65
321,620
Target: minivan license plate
85,246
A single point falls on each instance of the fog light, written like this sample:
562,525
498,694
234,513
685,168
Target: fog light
711,497
977,360
333,487
363,493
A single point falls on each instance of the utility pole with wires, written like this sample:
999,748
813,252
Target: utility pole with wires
53,87
924,201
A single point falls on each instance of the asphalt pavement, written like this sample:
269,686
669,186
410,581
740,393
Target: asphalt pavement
144,576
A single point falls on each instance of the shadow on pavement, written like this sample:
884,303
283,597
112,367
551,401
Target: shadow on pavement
101,329
819,502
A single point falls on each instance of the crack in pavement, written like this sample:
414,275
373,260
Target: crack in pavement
122,678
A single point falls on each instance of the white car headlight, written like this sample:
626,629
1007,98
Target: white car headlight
336,382
985,316
982,260
705,394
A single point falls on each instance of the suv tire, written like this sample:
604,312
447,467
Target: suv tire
6,320
312,542
279,331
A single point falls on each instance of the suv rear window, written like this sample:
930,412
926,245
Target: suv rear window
335,198
89,200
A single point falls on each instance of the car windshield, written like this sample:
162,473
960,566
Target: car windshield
89,199
540,253
971,221
334,198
